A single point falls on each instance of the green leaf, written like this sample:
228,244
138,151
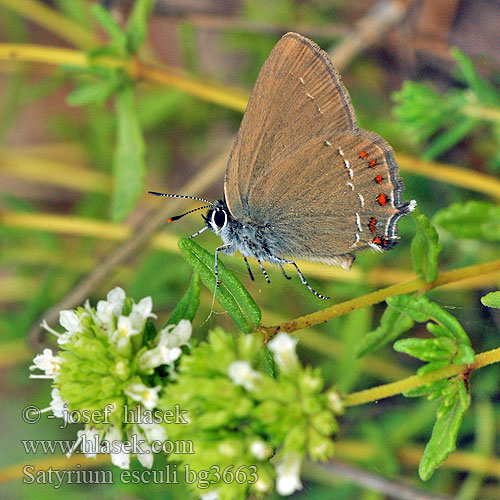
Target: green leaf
447,139
484,91
474,219
108,24
491,300
427,349
269,366
425,249
392,324
95,91
128,162
422,309
445,431
433,365
187,306
436,387
137,25
231,294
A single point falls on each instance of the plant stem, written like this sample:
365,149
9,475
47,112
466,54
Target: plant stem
387,390
378,296
54,21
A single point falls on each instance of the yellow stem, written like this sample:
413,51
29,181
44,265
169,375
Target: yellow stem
387,390
462,177
53,21
378,296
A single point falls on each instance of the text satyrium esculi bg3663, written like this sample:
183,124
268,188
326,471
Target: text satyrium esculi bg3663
303,181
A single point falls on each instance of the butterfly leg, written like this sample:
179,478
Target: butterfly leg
301,276
249,270
216,267
283,272
264,271
198,232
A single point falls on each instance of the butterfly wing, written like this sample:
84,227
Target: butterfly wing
345,196
296,81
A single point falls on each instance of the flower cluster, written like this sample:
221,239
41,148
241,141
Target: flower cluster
112,364
245,419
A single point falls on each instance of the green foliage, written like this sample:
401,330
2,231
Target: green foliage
475,219
425,248
287,415
128,164
455,402
230,294
491,300
393,324
187,306
444,120
451,345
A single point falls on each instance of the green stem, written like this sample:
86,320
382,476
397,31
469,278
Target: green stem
387,390
378,296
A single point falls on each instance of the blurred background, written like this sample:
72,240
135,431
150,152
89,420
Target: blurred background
423,74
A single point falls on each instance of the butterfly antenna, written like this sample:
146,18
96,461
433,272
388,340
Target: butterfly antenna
182,196
177,217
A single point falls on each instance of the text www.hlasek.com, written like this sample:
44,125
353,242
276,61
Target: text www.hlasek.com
95,445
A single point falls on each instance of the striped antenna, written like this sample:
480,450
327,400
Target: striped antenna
182,196
177,217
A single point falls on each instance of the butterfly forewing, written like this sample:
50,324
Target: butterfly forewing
298,96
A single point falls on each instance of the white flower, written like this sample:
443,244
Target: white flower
288,474
260,449
112,308
283,348
124,330
241,373
46,362
141,312
176,335
90,439
335,402
73,324
211,495
119,457
161,355
154,432
146,458
148,396
58,406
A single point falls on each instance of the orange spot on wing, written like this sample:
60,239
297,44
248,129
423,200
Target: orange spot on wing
378,179
169,220
371,224
377,240
382,199
372,163
363,154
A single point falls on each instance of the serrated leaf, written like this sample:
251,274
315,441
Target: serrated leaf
474,219
95,91
422,309
392,324
128,162
425,249
231,294
491,300
445,431
137,25
425,349
187,306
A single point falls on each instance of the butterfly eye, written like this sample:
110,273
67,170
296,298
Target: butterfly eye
219,218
